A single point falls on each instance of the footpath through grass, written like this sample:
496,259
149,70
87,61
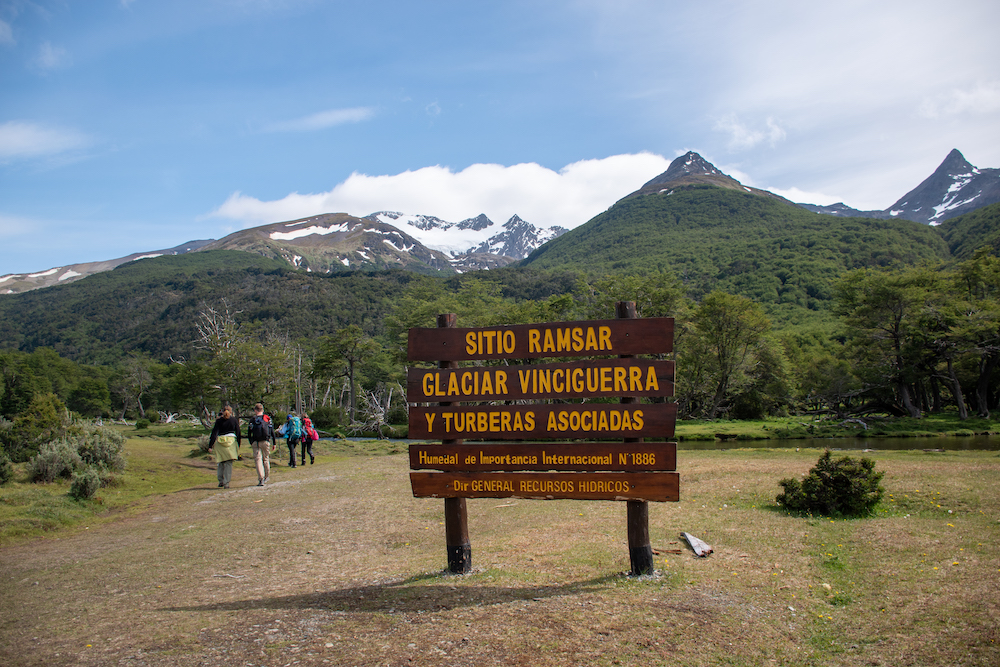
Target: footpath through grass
337,563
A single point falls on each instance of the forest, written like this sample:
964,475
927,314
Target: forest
837,316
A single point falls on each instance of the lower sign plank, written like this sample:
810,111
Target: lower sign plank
582,456
651,486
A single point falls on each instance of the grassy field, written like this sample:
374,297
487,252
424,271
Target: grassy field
337,563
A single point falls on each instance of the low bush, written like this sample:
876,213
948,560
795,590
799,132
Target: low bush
55,459
841,487
6,468
99,446
85,483
141,424
327,417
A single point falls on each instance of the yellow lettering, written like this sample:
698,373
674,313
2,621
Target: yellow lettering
605,379
508,342
490,335
637,420
428,384
551,426
592,377
470,342
563,420
557,380
616,420
626,422
523,377
544,380
605,334
430,421
620,385
505,421
529,421
577,380
500,377
652,383
533,337
518,426
483,422
447,416
563,339
591,339
602,423
466,383
635,378
577,339
487,383
494,422
452,384
548,345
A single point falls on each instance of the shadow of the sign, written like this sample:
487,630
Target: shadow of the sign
407,596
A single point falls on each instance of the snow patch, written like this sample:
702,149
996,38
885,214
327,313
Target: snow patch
155,254
44,273
69,274
307,231
6,278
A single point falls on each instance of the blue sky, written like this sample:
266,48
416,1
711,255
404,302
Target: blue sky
135,125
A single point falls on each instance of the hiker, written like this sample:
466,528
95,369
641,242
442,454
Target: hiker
293,431
225,433
260,433
308,435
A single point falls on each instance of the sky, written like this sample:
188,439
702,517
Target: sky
137,125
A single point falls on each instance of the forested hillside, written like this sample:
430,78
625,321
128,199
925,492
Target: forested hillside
151,306
772,252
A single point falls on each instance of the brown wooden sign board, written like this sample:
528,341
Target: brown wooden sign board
546,421
590,379
582,456
591,338
648,486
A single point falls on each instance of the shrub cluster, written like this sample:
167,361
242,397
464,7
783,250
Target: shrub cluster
90,455
841,487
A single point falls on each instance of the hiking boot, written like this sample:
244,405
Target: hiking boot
260,482
312,460
221,485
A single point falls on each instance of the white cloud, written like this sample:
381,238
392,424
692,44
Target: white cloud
983,98
742,137
6,34
539,195
51,57
19,139
322,120
16,226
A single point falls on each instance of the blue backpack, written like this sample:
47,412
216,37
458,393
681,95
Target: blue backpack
293,428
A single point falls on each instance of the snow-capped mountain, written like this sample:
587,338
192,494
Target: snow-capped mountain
955,187
515,238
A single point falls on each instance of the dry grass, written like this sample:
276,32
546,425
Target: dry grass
338,564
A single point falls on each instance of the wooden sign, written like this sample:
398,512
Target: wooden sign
546,421
649,486
582,456
654,335
591,379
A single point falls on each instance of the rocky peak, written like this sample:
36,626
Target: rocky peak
689,164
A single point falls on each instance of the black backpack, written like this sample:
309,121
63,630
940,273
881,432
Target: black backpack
259,430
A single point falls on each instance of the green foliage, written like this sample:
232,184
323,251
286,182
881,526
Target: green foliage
842,487
99,446
327,417
85,483
6,468
141,424
44,418
55,459
968,233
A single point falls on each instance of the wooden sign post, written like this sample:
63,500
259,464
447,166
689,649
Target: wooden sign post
609,456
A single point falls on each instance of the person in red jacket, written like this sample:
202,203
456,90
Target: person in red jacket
308,435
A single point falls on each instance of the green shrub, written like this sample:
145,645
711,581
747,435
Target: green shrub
55,459
99,446
6,468
326,417
203,441
841,487
85,483
141,424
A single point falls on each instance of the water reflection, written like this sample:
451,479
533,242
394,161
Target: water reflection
946,443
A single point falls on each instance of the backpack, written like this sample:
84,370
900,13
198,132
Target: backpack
260,429
293,428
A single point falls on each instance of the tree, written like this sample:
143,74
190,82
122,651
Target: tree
881,310
728,333
339,356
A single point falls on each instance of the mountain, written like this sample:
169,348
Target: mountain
335,242
338,242
14,283
714,233
955,188
515,239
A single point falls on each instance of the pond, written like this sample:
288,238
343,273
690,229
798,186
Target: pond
946,443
